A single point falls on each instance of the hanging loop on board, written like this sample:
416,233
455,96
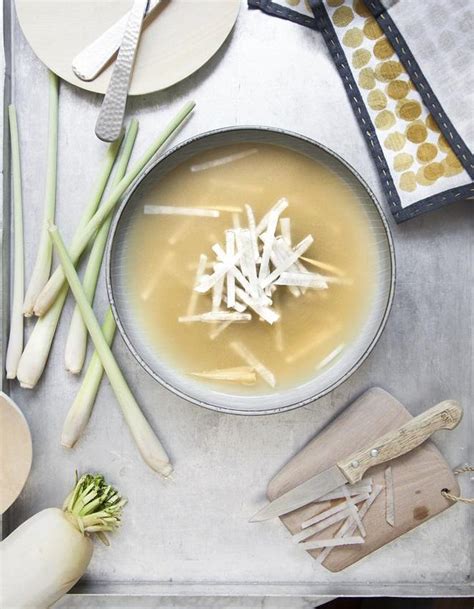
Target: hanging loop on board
455,498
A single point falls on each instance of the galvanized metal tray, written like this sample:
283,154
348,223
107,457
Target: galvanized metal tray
188,541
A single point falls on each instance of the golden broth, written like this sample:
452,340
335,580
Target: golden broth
164,250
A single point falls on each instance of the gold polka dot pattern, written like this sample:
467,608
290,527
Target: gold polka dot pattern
413,145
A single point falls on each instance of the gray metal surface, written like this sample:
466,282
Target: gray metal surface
189,540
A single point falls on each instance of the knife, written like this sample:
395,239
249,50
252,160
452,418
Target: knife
90,62
445,415
110,121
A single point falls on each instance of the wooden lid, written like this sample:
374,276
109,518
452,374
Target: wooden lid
15,452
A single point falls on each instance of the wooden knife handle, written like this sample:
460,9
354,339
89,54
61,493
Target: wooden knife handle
445,415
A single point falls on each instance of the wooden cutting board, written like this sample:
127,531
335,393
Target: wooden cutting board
418,477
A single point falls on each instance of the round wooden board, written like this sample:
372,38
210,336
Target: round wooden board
182,36
15,452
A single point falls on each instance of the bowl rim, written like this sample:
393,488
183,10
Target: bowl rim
110,290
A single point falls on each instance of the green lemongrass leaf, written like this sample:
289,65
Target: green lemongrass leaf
81,409
35,355
147,442
15,339
42,267
76,342
53,287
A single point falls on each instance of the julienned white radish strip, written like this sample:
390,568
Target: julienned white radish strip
247,259
307,280
364,486
148,444
42,266
310,346
217,330
76,341
225,160
206,282
285,229
215,316
322,526
230,280
330,357
239,374
56,281
389,497
242,351
325,266
331,511
15,338
217,291
278,257
45,556
279,207
253,231
236,220
172,210
299,249
35,355
263,311
354,510
349,525
81,409
333,542
195,295
286,250
180,233
272,221
230,267
238,306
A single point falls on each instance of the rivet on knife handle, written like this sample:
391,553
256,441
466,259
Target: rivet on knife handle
110,121
445,415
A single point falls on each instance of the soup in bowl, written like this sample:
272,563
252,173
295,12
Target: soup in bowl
250,270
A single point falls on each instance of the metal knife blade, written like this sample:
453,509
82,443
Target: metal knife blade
305,493
90,62
110,121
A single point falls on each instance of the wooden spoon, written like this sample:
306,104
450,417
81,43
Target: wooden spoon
15,452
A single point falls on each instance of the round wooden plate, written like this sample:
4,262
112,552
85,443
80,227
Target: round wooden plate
180,38
15,452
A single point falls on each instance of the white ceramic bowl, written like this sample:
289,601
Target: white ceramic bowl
135,335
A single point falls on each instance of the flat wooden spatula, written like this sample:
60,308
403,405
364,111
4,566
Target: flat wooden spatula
445,415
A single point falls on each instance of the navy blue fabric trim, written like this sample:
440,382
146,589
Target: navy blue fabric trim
424,89
357,103
435,202
267,6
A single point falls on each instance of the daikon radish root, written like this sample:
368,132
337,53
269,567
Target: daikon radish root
45,556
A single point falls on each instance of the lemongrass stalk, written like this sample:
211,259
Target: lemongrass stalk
81,409
33,359
15,339
147,442
76,343
35,355
42,267
53,287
